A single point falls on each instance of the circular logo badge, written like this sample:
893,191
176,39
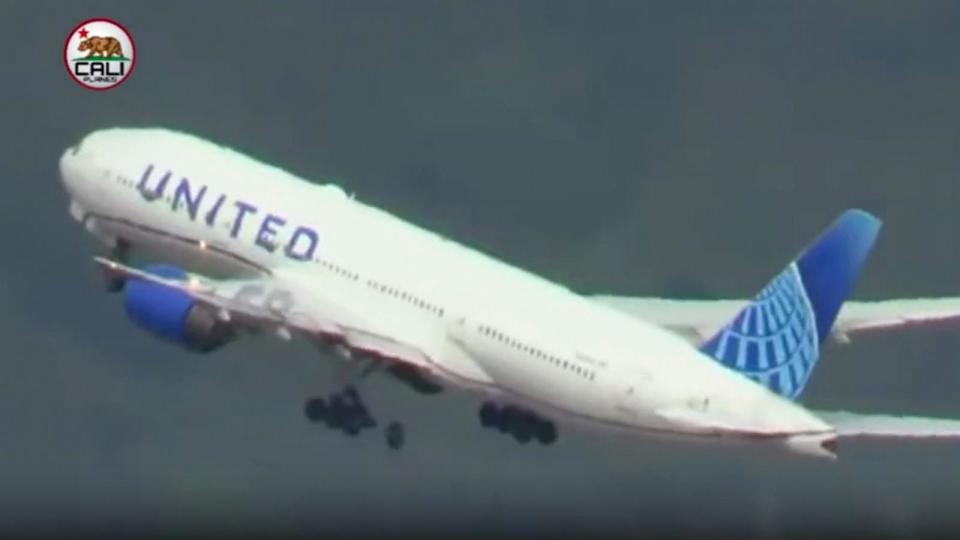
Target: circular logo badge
99,54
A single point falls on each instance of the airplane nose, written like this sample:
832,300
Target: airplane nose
65,170
69,168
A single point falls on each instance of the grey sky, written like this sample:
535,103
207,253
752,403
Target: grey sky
620,147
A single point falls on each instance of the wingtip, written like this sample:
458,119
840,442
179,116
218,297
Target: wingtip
862,216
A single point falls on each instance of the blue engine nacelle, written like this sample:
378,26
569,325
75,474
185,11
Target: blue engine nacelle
173,315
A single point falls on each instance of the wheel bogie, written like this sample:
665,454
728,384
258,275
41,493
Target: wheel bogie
316,409
489,415
346,412
524,426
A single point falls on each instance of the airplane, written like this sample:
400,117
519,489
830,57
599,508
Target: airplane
207,244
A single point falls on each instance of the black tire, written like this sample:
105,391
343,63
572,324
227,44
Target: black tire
351,395
394,433
546,432
508,419
315,409
523,428
337,412
489,415
338,403
355,420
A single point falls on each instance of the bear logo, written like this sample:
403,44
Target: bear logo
106,57
105,47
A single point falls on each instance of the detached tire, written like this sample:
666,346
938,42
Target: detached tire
395,436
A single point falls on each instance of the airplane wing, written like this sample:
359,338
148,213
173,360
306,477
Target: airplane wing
850,425
283,304
697,320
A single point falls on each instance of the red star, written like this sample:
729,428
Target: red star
83,33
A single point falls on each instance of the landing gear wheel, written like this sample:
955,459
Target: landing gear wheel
356,420
394,433
522,428
315,409
489,415
343,411
337,412
523,425
546,432
508,419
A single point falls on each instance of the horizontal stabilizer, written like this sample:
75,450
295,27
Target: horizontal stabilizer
865,317
849,425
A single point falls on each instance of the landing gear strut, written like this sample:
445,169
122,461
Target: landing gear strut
120,252
345,411
523,425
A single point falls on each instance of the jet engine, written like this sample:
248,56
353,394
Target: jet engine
173,315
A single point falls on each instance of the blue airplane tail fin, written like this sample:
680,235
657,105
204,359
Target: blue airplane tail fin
776,339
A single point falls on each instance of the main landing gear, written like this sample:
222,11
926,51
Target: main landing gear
523,425
345,411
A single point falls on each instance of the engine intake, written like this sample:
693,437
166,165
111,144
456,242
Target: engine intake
173,315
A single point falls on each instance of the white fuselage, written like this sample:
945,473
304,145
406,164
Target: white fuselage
482,323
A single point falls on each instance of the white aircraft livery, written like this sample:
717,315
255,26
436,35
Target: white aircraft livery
207,244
